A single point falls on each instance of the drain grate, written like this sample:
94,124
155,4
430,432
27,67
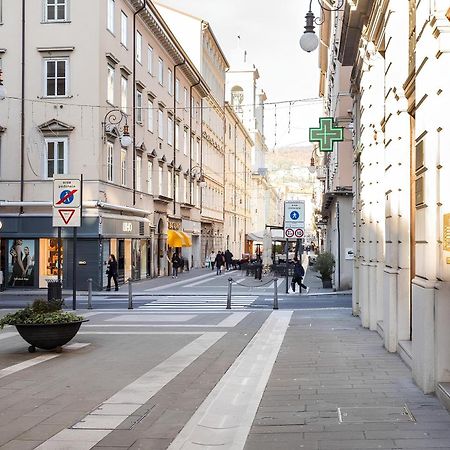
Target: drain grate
365,414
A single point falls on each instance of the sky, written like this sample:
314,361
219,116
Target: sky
270,35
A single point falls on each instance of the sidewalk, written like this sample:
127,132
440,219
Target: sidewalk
334,386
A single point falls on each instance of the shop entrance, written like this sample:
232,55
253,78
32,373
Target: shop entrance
121,260
160,254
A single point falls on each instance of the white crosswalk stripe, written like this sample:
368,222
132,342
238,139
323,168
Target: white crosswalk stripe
199,302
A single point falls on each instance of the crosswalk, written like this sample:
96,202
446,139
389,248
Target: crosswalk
198,303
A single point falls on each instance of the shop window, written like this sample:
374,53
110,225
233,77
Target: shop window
21,258
49,250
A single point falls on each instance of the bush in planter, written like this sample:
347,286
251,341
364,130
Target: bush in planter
42,311
325,264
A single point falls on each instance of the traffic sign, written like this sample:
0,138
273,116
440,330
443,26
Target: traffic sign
67,201
294,218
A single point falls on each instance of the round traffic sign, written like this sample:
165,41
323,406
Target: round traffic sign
294,215
289,232
299,233
66,197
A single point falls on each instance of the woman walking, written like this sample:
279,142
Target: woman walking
111,271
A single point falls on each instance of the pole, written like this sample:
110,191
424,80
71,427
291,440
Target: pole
89,293
59,254
230,280
74,270
275,293
339,245
300,251
130,294
287,272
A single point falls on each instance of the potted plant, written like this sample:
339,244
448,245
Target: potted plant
44,324
325,264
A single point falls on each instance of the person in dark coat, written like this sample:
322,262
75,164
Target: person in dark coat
111,271
228,259
299,273
220,261
176,264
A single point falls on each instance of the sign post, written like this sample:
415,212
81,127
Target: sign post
67,208
294,226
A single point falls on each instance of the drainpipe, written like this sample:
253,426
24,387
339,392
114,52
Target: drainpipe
174,132
191,103
201,154
22,114
134,101
235,178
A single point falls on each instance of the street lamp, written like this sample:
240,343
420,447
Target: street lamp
198,171
309,40
2,88
112,121
312,168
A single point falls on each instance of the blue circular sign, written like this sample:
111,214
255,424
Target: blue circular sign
294,215
66,197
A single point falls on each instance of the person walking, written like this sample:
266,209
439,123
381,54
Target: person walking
228,259
111,271
220,260
299,273
176,262
212,259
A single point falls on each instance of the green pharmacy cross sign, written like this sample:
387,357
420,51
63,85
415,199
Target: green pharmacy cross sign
326,134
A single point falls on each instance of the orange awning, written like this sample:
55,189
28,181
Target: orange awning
178,238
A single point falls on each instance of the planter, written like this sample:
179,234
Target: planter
326,284
48,336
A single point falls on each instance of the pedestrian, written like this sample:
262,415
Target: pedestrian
219,261
212,259
299,273
228,259
176,263
111,272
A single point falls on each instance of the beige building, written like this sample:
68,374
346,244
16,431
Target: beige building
398,54
140,201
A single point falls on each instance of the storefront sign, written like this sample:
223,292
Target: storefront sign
127,227
174,225
21,262
67,201
446,232
326,134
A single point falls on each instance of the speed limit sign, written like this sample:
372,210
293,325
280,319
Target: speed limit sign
299,233
289,232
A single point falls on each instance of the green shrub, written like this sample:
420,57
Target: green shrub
40,312
325,264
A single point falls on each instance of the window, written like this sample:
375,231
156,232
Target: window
177,136
56,77
169,82
123,93
177,90
56,10
197,111
185,190
109,161
138,173
169,183
123,167
56,156
138,47
186,99
123,28
139,106
177,187
160,124
150,177
150,60
110,17
169,130
160,181
160,71
150,118
197,151
185,141
110,85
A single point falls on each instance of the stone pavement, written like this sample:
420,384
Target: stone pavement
334,386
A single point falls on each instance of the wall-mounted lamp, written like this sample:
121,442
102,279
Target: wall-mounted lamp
198,171
309,40
112,121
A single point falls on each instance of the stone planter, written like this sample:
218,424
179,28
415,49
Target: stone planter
326,284
48,336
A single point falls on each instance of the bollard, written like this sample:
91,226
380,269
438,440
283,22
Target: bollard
230,280
130,294
89,305
275,293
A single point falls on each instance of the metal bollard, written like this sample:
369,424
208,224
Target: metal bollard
230,280
275,293
89,305
130,294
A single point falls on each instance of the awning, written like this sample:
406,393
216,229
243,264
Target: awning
178,238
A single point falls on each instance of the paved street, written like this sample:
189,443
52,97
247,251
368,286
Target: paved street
182,372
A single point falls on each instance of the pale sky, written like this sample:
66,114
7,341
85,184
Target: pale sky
270,34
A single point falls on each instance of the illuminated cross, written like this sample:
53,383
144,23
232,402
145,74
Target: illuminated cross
326,134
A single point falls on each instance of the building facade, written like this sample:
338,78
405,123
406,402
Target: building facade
140,202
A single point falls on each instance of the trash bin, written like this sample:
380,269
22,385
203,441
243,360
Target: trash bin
54,290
